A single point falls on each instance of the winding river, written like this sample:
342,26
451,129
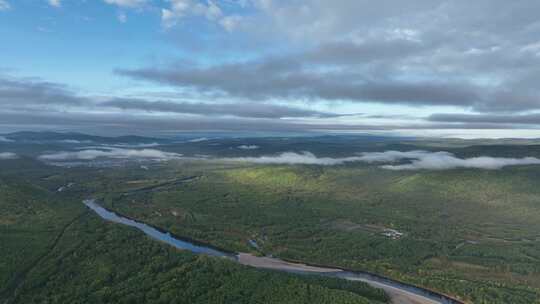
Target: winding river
400,293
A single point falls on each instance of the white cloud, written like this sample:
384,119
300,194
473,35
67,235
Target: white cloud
55,3
248,147
415,160
4,5
200,139
116,153
446,161
140,145
119,145
8,155
179,9
127,3
75,141
304,158
183,8
122,17
394,156
230,23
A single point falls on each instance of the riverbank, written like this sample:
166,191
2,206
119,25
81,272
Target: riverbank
399,292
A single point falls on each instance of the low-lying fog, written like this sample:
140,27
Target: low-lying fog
390,160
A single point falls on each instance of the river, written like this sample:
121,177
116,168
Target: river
399,293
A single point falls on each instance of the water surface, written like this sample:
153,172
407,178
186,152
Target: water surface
153,232
400,293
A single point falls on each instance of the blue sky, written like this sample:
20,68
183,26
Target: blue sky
79,43
433,68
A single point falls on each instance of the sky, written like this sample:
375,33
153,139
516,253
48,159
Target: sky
416,68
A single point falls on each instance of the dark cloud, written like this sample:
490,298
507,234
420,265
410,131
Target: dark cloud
125,123
40,105
524,119
254,110
333,73
344,52
29,91
32,94
483,56
255,80
131,123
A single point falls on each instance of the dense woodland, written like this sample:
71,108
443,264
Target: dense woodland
473,234
56,251
469,233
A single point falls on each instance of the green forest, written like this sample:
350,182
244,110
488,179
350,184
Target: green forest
469,233
56,251
338,215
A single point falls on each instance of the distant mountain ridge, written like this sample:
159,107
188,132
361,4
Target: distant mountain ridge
74,136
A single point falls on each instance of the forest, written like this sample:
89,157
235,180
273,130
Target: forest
56,251
469,233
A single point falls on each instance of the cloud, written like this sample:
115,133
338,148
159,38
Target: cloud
256,110
183,8
523,119
248,147
7,155
126,122
230,23
313,54
285,62
446,161
127,3
4,5
392,156
140,145
304,158
415,160
122,17
210,10
55,3
5,139
115,153
75,141
31,91
309,158
330,72
35,104
321,20
429,53
200,139
32,96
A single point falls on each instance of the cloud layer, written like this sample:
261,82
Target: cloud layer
446,161
304,158
127,3
269,65
253,110
4,5
430,53
115,153
55,3
7,155
390,160
410,160
248,147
